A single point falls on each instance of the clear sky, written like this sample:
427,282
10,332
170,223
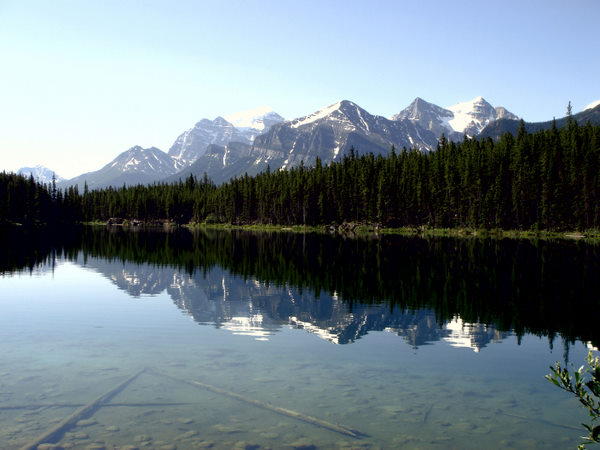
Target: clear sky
81,81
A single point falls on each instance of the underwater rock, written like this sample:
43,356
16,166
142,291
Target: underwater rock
76,436
87,422
241,445
226,429
202,444
269,435
187,435
303,444
50,447
142,438
95,446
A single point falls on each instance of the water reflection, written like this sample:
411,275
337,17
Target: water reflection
467,293
197,306
250,307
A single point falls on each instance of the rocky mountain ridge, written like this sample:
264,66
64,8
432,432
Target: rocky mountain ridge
253,140
466,118
134,166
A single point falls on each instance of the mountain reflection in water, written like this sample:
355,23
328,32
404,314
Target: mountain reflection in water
467,292
254,308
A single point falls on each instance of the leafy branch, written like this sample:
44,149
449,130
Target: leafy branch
586,391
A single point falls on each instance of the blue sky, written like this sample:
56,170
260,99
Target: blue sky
82,81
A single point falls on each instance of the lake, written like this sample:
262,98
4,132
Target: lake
272,340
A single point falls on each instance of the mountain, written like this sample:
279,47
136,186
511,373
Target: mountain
220,163
134,166
256,121
502,126
192,144
430,117
592,105
466,118
239,127
40,173
250,141
227,143
329,133
473,116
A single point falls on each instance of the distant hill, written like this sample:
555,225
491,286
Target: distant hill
496,129
40,173
134,166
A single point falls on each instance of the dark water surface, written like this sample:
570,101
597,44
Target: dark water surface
293,341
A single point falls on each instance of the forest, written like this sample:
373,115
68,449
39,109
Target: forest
547,180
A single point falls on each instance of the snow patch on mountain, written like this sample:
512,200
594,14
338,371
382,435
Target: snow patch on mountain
252,118
592,105
148,161
472,116
40,173
471,112
315,116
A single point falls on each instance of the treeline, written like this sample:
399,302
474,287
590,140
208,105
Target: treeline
546,180
27,202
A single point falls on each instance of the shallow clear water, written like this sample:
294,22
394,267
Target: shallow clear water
397,378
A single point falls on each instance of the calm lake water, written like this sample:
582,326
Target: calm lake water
295,341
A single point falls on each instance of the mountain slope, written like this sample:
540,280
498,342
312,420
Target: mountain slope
430,117
192,144
40,173
455,121
134,166
239,127
329,133
256,121
592,105
220,163
251,141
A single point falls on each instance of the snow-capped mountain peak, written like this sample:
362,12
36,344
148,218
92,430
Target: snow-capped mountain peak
40,173
428,116
472,116
341,112
239,127
149,161
420,109
592,105
256,118
320,114
469,114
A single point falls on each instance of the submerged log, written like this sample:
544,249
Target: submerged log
55,433
537,419
283,411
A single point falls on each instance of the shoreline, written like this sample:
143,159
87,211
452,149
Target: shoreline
365,230
358,230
